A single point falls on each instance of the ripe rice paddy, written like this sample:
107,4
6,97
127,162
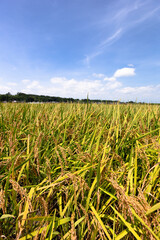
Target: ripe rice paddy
79,171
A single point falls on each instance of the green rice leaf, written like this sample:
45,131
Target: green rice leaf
153,209
6,216
128,225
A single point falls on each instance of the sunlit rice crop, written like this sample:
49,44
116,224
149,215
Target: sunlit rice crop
79,171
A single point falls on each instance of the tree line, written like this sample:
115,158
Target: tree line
23,97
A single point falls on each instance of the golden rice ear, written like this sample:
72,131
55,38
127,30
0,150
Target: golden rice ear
73,230
2,201
18,189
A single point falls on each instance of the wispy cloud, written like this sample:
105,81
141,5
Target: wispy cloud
146,16
91,56
122,19
135,13
111,38
100,48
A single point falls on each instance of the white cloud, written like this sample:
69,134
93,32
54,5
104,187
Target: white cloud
98,75
73,87
34,85
12,83
4,89
137,90
124,72
149,93
113,85
101,87
57,80
97,89
25,81
64,87
61,86
110,79
7,87
127,90
130,65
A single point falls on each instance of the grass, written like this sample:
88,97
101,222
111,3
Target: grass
79,171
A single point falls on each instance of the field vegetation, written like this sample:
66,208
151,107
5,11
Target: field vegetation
79,171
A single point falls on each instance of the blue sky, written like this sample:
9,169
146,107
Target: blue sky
68,48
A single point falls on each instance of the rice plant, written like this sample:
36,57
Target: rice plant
79,171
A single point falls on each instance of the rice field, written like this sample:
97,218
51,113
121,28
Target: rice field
79,171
